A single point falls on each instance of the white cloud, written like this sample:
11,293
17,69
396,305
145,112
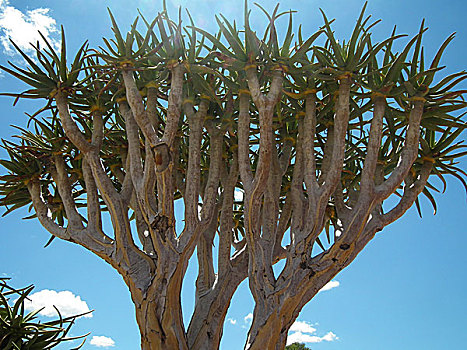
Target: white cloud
330,285
23,27
102,342
66,302
330,336
299,337
302,326
300,331
303,332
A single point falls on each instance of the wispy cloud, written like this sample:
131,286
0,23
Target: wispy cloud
246,321
65,301
302,326
23,27
300,331
330,285
303,332
102,342
232,321
299,337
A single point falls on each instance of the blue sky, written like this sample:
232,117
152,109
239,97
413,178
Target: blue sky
406,290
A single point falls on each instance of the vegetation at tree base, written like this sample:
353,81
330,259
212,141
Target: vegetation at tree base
20,331
297,346
313,134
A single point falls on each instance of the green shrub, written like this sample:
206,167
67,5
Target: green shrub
24,331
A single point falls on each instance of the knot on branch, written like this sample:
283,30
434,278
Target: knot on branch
162,157
307,266
160,225
344,246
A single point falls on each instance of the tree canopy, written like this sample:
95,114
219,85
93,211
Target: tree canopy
297,346
283,149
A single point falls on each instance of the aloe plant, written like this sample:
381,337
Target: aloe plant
314,132
20,330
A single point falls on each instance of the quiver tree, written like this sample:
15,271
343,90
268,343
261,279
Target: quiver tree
284,150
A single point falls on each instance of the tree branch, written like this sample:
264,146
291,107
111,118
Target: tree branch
174,105
44,213
69,125
308,137
226,219
193,174
92,199
149,180
266,108
212,184
296,186
98,130
62,180
134,151
137,107
151,108
341,122
244,140
94,226
374,143
408,155
411,192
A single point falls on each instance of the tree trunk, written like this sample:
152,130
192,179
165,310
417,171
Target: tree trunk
207,324
274,314
160,321
267,330
159,312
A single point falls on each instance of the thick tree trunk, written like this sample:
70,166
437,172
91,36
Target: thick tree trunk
265,332
160,321
207,324
205,331
274,315
273,319
159,311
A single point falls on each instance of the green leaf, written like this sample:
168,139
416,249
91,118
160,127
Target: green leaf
320,244
52,237
169,50
51,51
337,52
305,47
432,200
399,62
415,57
27,80
357,29
117,33
285,50
232,37
437,58
63,68
192,49
76,65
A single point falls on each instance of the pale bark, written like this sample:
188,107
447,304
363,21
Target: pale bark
149,178
279,301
